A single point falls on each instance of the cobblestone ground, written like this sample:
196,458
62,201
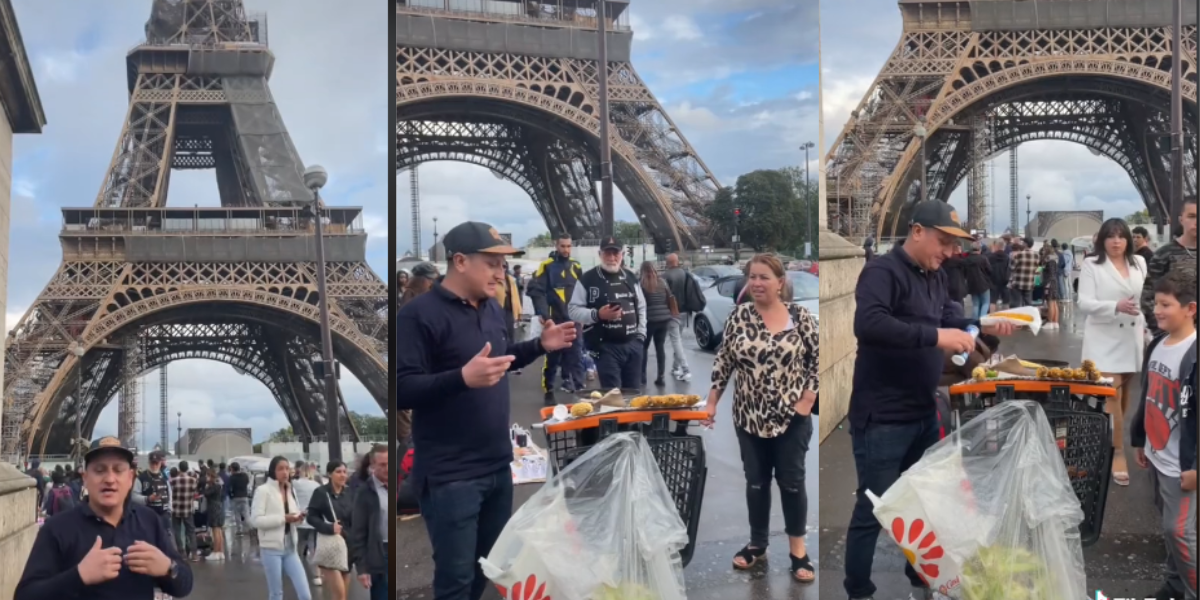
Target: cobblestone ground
1127,561
723,527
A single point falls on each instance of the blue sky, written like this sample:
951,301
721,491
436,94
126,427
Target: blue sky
739,78
1058,175
329,85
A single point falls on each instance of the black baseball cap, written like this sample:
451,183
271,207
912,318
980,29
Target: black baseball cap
426,270
611,243
108,445
941,216
477,238
157,456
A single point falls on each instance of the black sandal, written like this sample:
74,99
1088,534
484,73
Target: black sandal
802,564
751,556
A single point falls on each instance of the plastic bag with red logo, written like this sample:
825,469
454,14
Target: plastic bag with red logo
989,511
603,528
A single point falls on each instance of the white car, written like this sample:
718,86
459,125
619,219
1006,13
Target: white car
709,324
708,274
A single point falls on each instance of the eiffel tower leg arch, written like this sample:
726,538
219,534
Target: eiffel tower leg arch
574,209
280,317
1139,86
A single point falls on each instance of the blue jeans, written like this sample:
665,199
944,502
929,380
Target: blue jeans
980,303
278,563
882,452
379,586
570,361
620,365
464,519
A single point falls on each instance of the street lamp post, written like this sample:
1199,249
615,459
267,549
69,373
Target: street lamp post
921,132
607,225
435,255
315,178
807,197
178,434
78,351
1028,213
1175,205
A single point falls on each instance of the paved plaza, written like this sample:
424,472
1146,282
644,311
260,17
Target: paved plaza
1126,562
724,527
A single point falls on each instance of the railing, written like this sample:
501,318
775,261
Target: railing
236,221
562,13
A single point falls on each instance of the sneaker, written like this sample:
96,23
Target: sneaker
548,399
687,375
317,581
215,557
659,382
676,372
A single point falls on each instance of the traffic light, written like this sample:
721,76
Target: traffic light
737,214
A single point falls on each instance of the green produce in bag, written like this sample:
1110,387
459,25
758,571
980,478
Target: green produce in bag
998,573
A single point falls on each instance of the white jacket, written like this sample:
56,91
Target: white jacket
266,514
1114,341
304,488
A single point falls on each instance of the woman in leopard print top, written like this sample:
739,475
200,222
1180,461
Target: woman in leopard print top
771,344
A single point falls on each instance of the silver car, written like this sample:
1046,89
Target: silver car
709,324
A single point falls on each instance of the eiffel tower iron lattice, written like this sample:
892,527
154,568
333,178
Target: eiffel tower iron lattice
1068,70
513,87
143,284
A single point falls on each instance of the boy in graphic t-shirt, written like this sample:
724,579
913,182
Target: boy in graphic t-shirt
1164,430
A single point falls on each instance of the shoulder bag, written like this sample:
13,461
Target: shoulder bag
331,552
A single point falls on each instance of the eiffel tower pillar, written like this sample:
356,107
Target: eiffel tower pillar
841,262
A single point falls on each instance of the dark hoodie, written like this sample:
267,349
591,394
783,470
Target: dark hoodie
1186,402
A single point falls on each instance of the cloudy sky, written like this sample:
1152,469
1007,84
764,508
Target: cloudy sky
857,39
331,85
739,77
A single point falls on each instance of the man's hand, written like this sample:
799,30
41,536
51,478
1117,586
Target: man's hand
1140,456
804,406
486,371
557,336
1187,480
337,528
100,564
1002,328
955,340
610,312
365,580
147,559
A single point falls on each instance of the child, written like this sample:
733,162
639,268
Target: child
1167,420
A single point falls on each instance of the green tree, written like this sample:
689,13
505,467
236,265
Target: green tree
283,435
540,240
808,197
772,214
370,427
1141,217
628,232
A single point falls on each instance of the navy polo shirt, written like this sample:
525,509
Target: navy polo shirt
458,432
51,572
900,308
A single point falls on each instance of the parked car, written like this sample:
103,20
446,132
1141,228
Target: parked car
708,274
709,324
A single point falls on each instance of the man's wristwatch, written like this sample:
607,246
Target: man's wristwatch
172,570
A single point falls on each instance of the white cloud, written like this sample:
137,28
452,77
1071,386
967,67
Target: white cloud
682,28
59,68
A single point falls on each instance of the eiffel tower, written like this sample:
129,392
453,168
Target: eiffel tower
143,284
513,86
978,78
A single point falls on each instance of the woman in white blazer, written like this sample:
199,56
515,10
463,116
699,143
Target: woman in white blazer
1110,285
275,514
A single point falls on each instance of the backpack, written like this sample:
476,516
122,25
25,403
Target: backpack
693,300
61,500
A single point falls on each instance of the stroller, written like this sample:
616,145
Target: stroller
204,542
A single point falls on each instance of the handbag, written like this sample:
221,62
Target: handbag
331,552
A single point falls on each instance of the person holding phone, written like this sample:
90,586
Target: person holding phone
329,513
275,513
610,305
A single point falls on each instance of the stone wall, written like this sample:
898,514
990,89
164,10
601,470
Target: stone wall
18,525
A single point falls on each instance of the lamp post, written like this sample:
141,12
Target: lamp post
178,434
807,198
1028,213
921,132
1175,205
435,255
315,178
606,178
78,351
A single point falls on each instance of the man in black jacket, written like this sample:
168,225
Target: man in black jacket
998,261
370,527
609,303
549,290
977,271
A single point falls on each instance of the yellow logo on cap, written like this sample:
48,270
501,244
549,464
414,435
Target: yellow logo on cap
109,442
954,215
495,234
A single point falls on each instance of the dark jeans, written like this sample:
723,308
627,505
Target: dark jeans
464,518
620,365
657,333
187,544
379,586
1021,297
782,457
165,518
882,451
569,360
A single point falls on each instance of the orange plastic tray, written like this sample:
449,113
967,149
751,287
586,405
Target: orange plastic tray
1025,385
623,418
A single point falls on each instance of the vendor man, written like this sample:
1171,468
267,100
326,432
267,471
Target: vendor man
108,548
905,322
452,359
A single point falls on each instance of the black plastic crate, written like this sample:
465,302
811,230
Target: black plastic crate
1084,435
681,460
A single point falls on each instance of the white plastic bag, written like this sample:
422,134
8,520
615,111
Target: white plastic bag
604,528
989,511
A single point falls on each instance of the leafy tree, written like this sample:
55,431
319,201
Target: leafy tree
283,435
628,232
772,214
1141,217
808,197
370,427
541,240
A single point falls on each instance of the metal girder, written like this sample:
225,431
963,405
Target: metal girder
942,72
656,169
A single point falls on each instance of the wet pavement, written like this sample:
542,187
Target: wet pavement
1126,562
241,576
723,530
